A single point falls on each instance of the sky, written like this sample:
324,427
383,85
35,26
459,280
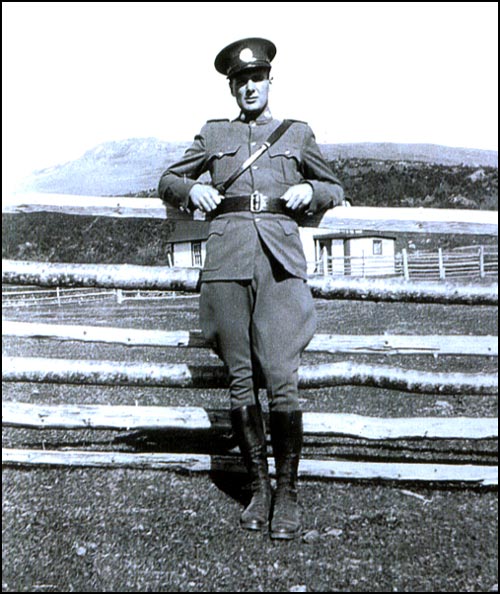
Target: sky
76,74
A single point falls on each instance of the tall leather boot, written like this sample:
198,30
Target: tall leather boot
248,427
286,439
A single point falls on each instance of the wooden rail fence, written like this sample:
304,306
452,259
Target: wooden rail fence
179,376
473,263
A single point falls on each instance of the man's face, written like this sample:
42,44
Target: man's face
251,90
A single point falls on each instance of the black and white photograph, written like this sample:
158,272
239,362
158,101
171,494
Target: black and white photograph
250,297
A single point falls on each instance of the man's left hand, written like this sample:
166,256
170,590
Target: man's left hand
298,196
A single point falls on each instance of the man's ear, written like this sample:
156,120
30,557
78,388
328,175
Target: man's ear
231,88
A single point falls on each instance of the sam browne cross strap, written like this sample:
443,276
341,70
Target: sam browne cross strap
272,139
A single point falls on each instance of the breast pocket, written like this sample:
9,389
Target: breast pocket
223,163
285,165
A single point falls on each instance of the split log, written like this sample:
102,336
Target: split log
326,469
162,278
448,473
411,220
405,345
79,416
327,343
106,334
351,425
114,373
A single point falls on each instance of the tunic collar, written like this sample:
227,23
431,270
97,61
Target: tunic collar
264,118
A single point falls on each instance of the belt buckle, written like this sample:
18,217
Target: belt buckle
257,201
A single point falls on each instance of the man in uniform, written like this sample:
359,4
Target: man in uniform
255,304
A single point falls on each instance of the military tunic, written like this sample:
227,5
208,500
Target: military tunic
220,148
255,304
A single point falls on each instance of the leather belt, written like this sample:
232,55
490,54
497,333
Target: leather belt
255,202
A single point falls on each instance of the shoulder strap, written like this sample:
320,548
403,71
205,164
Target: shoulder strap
272,139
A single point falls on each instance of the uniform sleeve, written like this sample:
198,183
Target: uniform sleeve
176,182
327,189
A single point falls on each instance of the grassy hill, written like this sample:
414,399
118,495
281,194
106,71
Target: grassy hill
370,182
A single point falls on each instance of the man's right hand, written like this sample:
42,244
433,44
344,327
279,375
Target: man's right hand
205,197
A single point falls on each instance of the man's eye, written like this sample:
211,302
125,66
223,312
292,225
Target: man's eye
256,78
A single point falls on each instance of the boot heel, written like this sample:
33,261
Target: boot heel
256,515
286,438
285,522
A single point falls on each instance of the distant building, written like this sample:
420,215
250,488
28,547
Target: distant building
354,254
187,245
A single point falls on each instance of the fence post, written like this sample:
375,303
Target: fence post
119,296
481,261
58,297
325,262
406,270
442,272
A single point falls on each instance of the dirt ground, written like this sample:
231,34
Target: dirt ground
125,530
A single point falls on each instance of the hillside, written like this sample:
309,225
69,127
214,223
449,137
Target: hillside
130,166
112,168
369,182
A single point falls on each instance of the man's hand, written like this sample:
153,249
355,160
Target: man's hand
298,196
205,197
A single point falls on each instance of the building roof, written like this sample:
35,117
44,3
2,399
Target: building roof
362,235
189,231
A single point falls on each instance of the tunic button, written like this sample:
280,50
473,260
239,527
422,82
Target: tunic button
255,167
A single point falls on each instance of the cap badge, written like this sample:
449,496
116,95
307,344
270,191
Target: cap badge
246,55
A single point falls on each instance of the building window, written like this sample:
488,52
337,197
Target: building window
377,247
196,253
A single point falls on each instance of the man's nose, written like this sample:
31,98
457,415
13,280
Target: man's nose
251,86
